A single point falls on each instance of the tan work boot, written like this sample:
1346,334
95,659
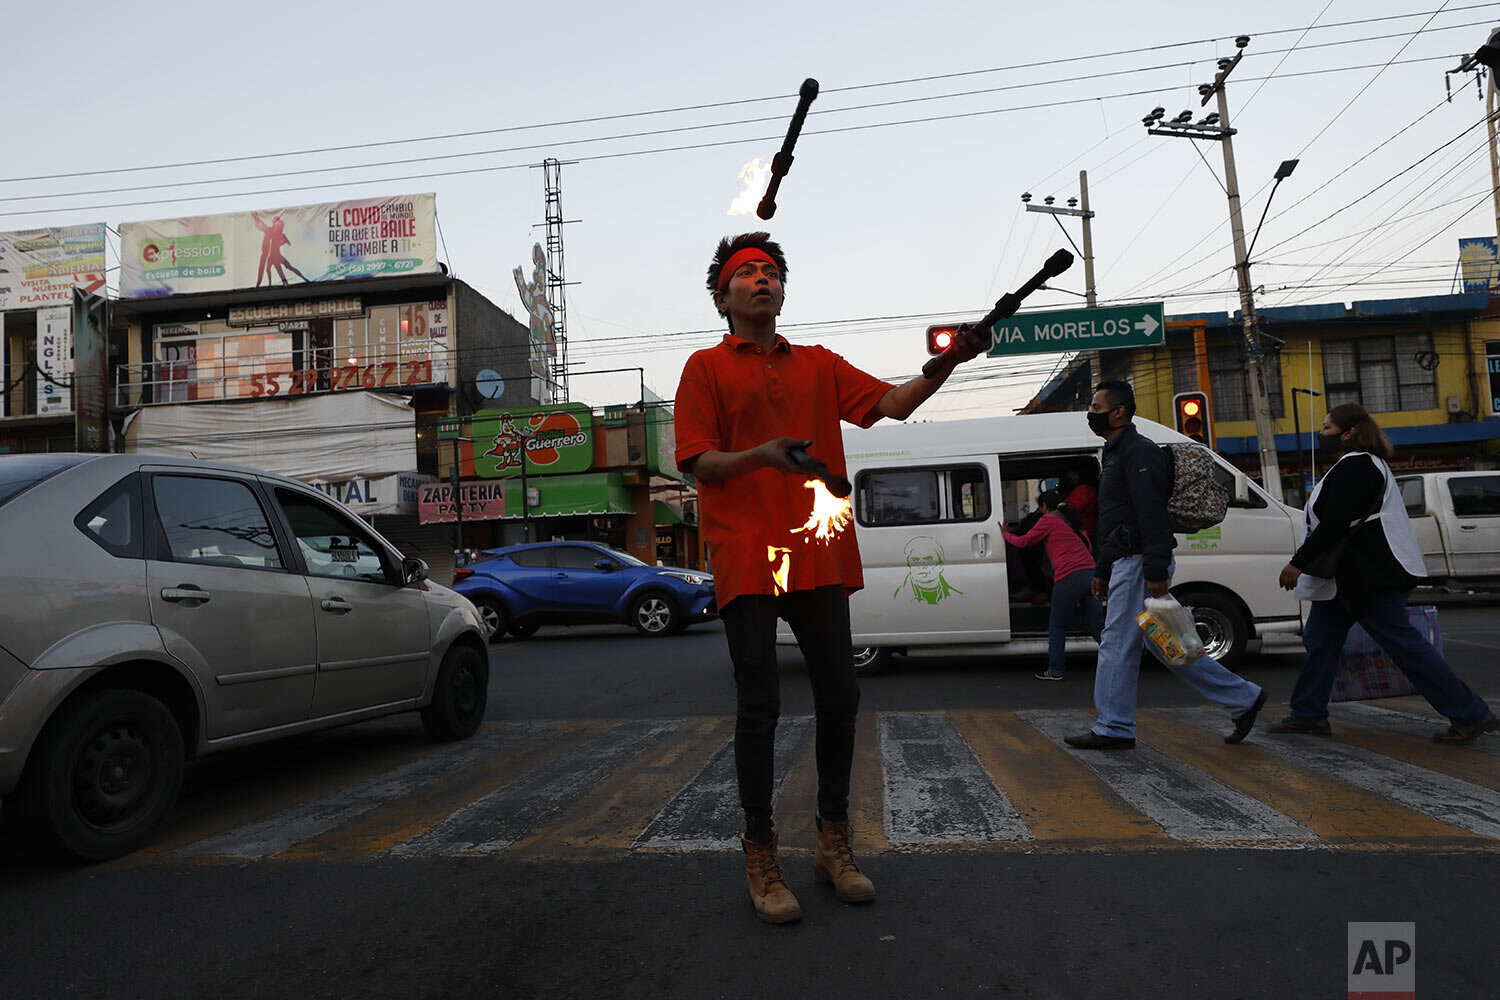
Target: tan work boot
774,902
833,861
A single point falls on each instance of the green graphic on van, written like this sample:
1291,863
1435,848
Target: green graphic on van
924,571
1208,538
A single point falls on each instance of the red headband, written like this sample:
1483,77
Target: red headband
738,258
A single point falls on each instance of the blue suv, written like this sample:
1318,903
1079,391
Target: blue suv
520,588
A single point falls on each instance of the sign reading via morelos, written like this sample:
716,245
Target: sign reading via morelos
333,241
1099,329
40,267
555,439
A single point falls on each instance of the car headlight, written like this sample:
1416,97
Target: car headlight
696,579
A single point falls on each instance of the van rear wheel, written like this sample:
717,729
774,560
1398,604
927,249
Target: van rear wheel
1222,626
870,660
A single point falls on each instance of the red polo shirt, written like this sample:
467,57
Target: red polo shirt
736,396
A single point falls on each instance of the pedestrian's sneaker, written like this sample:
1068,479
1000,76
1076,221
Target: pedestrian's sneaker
774,902
833,862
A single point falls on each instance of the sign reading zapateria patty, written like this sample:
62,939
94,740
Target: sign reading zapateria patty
553,439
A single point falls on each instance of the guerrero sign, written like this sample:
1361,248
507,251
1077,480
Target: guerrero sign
40,267
555,439
372,237
1079,330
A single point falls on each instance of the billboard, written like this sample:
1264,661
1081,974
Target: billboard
54,360
543,327
555,438
1476,255
333,241
90,372
41,267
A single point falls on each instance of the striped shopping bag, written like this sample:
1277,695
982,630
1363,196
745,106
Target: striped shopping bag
1365,671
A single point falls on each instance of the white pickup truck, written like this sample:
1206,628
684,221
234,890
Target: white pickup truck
1456,516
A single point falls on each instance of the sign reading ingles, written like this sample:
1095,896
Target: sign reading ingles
555,439
333,241
40,267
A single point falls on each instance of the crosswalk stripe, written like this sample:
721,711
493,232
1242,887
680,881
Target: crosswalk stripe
608,821
706,814
867,788
395,822
1459,762
493,822
1187,803
281,830
1457,802
1333,810
1422,725
1058,798
936,791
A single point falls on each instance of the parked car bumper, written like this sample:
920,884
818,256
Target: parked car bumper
702,607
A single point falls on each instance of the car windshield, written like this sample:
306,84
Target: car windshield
624,557
19,473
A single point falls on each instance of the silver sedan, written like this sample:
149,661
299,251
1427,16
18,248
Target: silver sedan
154,608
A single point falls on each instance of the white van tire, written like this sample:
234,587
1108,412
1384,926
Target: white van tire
1222,624
869,660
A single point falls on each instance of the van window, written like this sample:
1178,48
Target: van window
1225,478
1413,496
1475,496
923,496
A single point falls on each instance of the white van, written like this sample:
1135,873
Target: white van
928,499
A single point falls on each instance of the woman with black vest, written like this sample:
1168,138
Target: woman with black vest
1358,559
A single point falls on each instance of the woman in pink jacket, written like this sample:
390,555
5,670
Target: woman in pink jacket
1072,572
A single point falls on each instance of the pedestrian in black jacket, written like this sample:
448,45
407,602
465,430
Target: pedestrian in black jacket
1357,521
1133,547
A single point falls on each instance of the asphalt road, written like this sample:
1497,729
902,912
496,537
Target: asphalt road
1026,921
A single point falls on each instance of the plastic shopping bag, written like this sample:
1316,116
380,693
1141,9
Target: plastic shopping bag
1169,626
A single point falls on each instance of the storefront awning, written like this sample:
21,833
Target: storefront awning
666,514
561,496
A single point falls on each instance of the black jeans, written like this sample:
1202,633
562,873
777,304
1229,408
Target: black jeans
820,620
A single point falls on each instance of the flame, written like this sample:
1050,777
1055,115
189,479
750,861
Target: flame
754,177
830,515
781,566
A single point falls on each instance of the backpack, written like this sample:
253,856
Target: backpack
1198,500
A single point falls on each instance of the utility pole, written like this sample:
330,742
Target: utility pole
1080,207
1215,127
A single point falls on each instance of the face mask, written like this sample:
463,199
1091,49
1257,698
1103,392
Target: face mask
1330,444
1098,422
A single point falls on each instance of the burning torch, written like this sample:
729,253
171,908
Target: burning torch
818,469
1005,307
782,161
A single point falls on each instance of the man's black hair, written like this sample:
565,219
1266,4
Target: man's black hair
1119,394
731,245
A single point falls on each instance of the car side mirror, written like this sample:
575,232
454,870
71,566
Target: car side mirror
604,564
1241,488
413,571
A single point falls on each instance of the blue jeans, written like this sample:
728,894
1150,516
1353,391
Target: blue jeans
1119,668
1071,594
1383,615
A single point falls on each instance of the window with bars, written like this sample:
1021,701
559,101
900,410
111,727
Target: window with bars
1382,374
1184,370
1229,381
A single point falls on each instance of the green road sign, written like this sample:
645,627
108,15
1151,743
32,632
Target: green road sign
1101,329
450,430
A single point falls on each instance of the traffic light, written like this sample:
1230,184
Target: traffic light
939,338
1190,410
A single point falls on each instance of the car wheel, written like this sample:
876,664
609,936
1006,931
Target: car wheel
1221,626
870,660
523,630
654,614
103,774
460,695
493,616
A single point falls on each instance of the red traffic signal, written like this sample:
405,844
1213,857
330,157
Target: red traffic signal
940,338
1191,417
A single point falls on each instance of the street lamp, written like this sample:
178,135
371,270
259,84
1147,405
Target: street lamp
1297,430
1282,173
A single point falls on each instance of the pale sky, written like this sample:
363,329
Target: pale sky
919,220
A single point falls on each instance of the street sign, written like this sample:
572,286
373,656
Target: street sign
1100,329
450,430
